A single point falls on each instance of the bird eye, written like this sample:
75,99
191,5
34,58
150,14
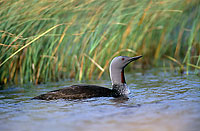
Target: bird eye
122,58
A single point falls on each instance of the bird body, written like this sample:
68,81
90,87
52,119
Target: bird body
79,92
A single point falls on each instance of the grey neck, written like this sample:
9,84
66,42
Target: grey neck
118,81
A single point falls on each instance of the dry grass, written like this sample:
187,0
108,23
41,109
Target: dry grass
50,40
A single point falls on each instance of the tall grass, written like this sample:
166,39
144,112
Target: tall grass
45,40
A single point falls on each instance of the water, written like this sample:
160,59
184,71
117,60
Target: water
159,102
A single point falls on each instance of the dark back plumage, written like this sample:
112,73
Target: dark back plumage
78,92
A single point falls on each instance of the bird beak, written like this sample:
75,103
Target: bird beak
134,58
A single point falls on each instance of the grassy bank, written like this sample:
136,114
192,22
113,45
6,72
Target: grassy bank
45,40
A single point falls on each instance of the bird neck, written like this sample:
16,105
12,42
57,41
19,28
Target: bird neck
118,81
117,76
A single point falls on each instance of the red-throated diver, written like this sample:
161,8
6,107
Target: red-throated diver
119,87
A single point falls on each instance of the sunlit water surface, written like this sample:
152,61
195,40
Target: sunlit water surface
158,102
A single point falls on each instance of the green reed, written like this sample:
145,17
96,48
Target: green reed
50,40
